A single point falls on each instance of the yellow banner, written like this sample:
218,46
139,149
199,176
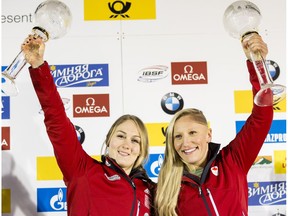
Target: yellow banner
280,161
47,168
243,101
6,201
119,10
156,133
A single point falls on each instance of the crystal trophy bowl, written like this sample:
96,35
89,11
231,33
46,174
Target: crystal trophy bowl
52,20
241,19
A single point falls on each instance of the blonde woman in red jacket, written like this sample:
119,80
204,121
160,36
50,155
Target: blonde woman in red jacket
198,179
117,185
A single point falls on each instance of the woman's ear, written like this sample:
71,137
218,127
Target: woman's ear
209,135
107,149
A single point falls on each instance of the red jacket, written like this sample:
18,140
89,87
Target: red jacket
93,188
223,189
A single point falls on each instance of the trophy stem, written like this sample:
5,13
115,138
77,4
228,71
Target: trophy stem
261,69
11,72
270,93
16,66
8,86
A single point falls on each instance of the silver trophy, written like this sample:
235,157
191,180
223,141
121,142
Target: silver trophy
241,19
52,20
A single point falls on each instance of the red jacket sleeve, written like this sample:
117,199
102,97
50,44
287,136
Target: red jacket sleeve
249,140
71,158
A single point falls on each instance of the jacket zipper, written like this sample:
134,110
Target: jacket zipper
213,203
120,171
204,200
138,208
134,199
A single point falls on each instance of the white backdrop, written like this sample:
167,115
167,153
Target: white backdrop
183,31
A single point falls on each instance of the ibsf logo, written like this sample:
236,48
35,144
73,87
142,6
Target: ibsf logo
189,73
153,73
91,105
51,199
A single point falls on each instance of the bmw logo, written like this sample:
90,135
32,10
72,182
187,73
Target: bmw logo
172,103
80,134
273,69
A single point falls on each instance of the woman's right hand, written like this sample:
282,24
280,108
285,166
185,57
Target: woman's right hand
33,48
254,43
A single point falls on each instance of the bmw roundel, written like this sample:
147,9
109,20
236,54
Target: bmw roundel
80,133
273,69
172,103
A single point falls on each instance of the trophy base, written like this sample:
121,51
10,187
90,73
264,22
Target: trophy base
270,95
8,86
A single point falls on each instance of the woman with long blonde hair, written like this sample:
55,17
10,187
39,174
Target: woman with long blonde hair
196,177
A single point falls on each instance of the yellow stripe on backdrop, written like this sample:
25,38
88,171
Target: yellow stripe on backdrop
6,201
47,168
243,102
156,133
118,10
280,162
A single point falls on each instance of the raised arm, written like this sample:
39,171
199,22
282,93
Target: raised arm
70,156
248,142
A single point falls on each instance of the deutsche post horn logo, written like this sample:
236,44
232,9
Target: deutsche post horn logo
119,8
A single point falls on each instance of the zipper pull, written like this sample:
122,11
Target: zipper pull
212,201
200,190
138,208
